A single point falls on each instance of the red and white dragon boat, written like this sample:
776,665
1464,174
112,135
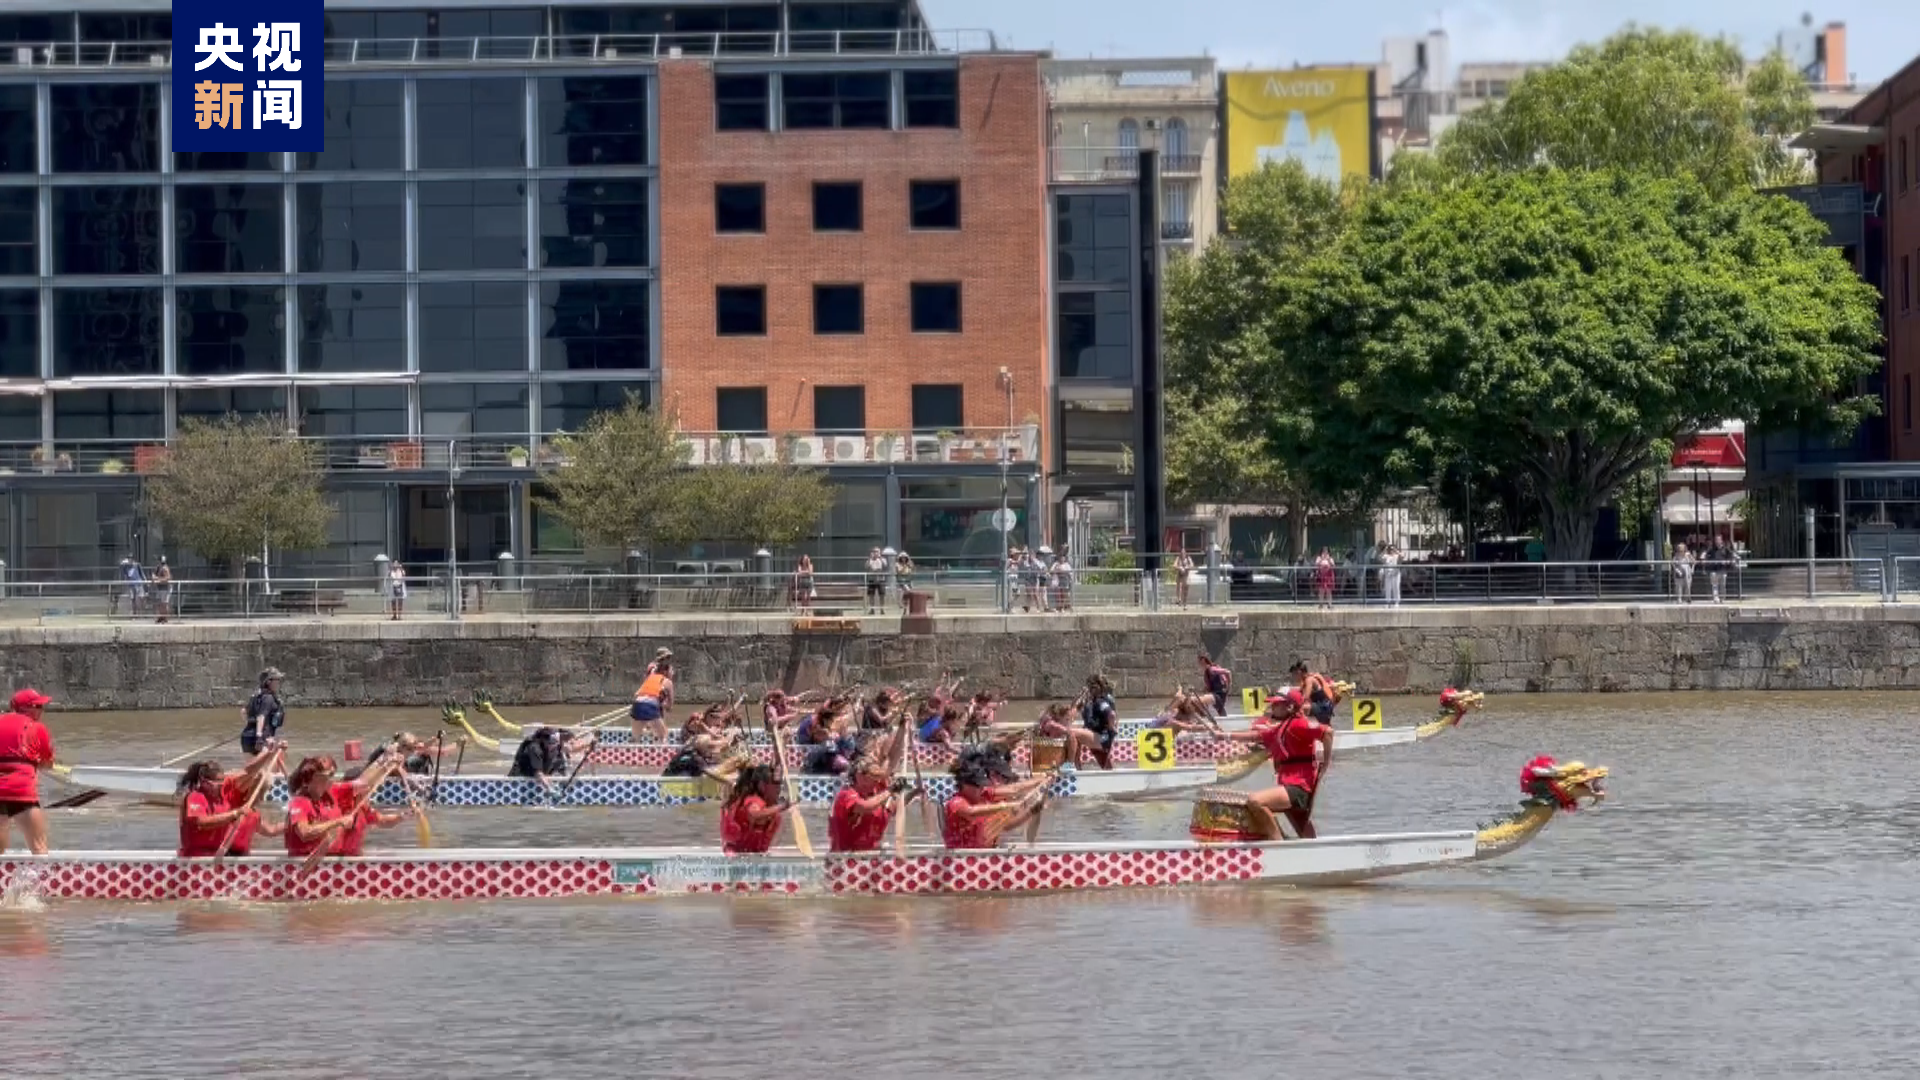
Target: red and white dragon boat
497,874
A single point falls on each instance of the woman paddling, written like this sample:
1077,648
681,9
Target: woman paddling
217,804
1289,738
863,808
980,812
752,813
322,812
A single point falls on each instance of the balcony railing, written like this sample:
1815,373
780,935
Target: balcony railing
367,52
1176,230
1180,164
437,454
1090,163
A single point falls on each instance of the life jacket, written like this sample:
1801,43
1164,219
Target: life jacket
652,688
1219,679
1095,717
1294,756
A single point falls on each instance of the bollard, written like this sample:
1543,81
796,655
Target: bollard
504,572
1213,572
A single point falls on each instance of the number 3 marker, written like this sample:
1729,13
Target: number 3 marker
1154,748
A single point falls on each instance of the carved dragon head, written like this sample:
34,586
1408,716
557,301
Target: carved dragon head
1564,787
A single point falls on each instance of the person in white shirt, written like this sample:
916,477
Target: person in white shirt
1390,575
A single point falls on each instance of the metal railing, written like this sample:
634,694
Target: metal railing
980,589
364,52
1088,163
1176,230
430,453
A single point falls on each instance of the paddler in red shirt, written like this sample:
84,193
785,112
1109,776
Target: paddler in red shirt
1289,738
216,805
320,808
26,747
753,811
979,813
863,808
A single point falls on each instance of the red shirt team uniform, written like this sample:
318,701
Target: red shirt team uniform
203,841
848,833
1290,744
740,836
964,831
25,747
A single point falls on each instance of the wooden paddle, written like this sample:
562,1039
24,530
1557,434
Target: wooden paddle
196,753
585,756
1033,823
260,785
439,747
800,838
933,825
422,828
75,802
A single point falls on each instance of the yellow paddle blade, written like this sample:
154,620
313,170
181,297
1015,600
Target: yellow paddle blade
60,771
1232,769
422,829
800,838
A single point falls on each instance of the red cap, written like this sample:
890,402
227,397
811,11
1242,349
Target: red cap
30,699
1291,695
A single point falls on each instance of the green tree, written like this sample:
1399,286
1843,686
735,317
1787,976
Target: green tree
1239,321
1559,324
231,486
1667,103
626,483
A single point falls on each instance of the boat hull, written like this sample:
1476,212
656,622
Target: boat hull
621,734
589,790
488,874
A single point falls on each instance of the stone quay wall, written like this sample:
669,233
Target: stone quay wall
554,662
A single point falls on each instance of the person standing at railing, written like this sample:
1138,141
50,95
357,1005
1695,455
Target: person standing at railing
876,582
396,589
1182,571
803,591
1390,575
1683,574
136,583
1323,571
1719,561
903,569
163,590
1061,573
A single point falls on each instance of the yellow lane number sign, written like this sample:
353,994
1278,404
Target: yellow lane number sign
1153,748
1367,715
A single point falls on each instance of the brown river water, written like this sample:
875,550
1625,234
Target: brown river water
1743,905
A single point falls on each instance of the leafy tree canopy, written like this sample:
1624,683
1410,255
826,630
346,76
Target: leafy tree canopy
1667,103
232,484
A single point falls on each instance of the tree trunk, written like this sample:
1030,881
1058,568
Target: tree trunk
1296,527
1569,535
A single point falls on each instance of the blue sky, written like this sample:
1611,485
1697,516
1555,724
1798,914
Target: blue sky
1880,38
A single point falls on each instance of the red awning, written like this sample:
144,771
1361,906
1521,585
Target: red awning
1727,451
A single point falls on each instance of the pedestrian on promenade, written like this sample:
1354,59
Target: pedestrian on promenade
1390,575
1323,579
396,590
1683,574
803,591
1061,575
903,569
1719,562
1182,571
163,590
876,582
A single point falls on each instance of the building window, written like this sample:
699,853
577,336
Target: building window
1130,137
1096,335
588,221
840,410
741,410
473,326
227,228
934,204
836,207
938,407
342,228
105,127
474,409
119,415
344,411
106,229
19,127
741,103
587,121
741,310
1178,209
209,403
107,331
567,406
839,309
471,123
936,307
1093,238
353,328
596,325
362,126
740,208
473,224
228,330
226,161
932,98
1177,138
19,334
847,100
19,232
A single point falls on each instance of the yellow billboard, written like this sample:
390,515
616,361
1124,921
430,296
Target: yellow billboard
1321,117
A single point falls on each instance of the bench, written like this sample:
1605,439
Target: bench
836,597
312,601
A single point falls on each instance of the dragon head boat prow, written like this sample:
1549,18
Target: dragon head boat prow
1551,788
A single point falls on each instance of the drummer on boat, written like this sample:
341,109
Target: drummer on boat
26,747
1101,718
1290,738
336,815
264,713
219,804
652,700
753,811
983,809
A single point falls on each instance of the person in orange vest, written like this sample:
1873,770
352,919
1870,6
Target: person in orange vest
651,702
1319,693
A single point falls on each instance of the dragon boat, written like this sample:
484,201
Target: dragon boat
160,786
524,874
